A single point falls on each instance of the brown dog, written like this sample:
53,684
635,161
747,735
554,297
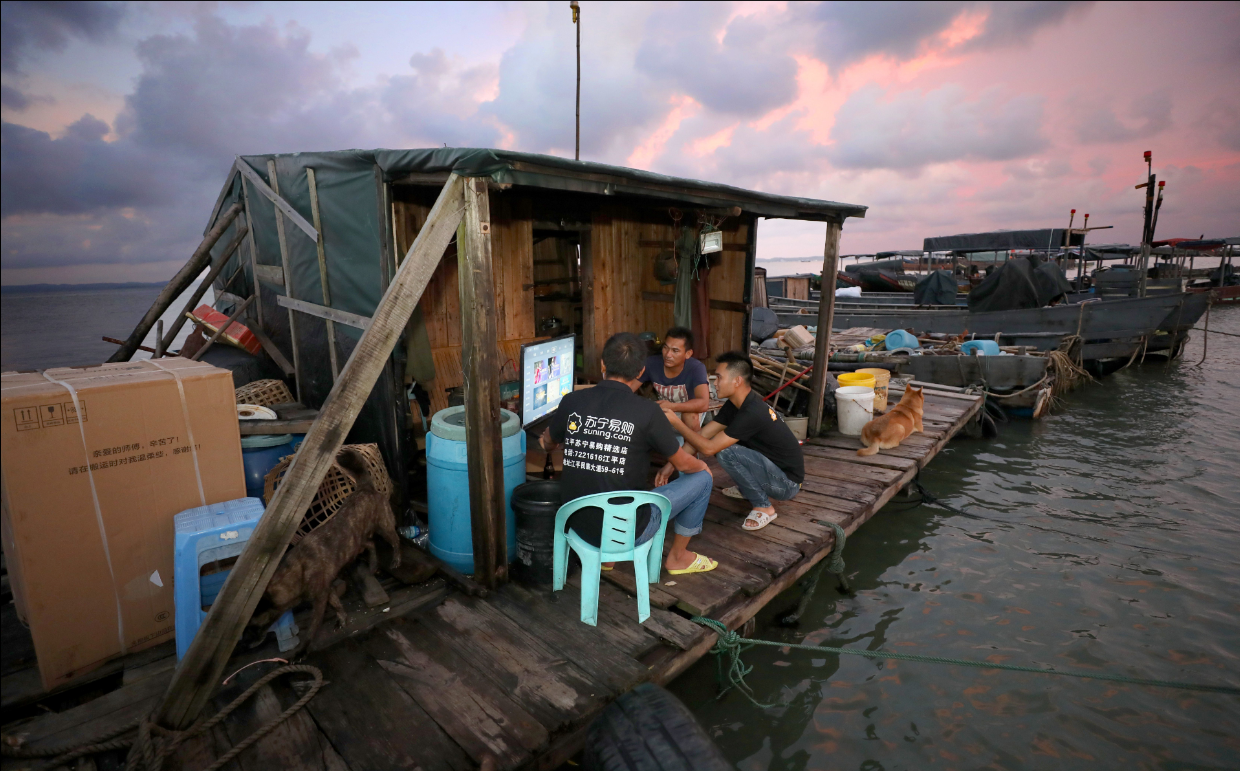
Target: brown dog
887,431
310,567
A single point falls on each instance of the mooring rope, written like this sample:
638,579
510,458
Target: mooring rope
732,645
153,744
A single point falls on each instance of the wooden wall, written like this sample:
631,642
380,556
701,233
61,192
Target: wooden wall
512,258
624,243
618,253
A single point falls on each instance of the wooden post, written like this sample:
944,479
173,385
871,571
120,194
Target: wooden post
184,277
591,351
480,360
826,316
249,221
199,672
327,298
288,277
159,340
179,321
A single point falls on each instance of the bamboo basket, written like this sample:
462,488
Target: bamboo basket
264,393
336,487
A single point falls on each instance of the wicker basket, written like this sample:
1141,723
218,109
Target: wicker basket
336,487
264,393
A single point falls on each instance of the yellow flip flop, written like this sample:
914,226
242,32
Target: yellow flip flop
701,564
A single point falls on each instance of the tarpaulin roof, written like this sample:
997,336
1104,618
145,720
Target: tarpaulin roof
1000,240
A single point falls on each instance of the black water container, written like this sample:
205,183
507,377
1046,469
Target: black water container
534,504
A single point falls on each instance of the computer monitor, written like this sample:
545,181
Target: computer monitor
546,375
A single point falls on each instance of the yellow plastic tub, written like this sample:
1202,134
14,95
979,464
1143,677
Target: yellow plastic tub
861,379
882,378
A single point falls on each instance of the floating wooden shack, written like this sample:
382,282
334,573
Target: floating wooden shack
361,272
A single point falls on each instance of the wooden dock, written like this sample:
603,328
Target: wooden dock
437,679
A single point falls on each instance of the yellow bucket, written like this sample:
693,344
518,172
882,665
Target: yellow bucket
862,379
882,378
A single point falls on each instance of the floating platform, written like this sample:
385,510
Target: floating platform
436,679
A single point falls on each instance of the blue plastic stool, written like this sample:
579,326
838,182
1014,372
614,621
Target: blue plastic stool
208,534
619,533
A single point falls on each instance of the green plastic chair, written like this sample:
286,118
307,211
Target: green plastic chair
616,545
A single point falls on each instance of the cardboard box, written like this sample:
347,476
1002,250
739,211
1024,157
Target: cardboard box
94,468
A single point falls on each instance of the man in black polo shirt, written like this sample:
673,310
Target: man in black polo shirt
752,444
608,432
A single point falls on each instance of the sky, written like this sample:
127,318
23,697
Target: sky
120,119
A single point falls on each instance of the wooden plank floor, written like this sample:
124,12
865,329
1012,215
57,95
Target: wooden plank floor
516,675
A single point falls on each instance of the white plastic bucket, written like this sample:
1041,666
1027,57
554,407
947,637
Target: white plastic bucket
854,407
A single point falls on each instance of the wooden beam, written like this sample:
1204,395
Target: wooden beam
591,352
219,199
272,274
480,360
272,193
179,321
327,297
826,315
323,312
254,266
204,662
288,282
717,305
273,351
184,277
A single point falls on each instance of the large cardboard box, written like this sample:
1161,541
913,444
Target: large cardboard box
96,462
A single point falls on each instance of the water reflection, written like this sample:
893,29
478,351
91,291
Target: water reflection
1110,544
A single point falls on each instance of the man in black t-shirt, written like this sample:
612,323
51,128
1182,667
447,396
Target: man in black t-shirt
608,432
752,444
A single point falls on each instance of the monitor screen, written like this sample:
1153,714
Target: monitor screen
546,375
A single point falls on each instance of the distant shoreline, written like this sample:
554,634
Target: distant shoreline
42,288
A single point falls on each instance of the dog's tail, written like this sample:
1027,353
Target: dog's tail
871,449
354,463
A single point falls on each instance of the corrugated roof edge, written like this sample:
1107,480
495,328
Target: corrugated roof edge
551,172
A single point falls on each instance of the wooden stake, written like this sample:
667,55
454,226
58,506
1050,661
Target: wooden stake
826,316
288,276
327,298
196,676
179,321
480,359
184,277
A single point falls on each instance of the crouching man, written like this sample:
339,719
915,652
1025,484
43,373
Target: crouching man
608,433
752,444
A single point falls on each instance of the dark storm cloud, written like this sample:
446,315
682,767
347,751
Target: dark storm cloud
848,31
26,27
912,129
1148,115
747,74
79,172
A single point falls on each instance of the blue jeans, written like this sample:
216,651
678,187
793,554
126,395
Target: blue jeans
757,477
689,496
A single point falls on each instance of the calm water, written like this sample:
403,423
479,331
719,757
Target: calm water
64,328
1117,549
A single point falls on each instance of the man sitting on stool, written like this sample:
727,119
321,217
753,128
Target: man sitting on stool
608,432
752,444
678,378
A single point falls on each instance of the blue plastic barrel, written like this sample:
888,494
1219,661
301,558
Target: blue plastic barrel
447,480
898,338
259,454
983,348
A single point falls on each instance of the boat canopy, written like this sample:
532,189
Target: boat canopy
1045,239
1023,282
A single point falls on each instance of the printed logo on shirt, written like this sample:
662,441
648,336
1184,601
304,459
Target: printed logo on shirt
773,415
574,423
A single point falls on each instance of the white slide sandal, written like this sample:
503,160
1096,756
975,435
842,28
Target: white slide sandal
758,520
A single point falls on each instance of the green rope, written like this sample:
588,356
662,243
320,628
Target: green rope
835,563
730,645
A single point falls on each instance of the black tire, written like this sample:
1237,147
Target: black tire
649,729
